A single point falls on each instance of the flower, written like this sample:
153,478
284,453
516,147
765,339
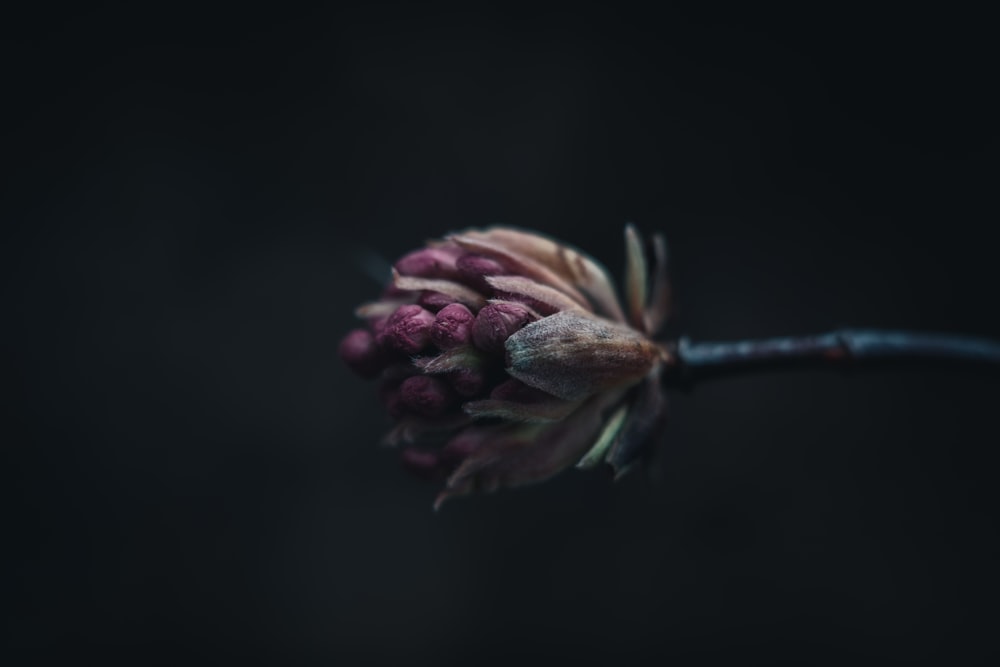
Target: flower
506,357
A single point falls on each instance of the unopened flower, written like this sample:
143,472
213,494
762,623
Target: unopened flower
506,357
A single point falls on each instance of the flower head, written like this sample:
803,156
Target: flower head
506,357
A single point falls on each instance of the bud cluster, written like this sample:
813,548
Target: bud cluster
513,351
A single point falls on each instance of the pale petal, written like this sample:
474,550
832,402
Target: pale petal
459,292
659,303
535,291
381,308
520,264
581,270
635,278
646,420
451,360
543,411
516,454
604,441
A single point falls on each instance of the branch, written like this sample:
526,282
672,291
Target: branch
845,348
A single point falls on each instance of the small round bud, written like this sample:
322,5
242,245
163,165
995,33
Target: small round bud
359,351
452,327
434,301
468,382
495,323
473,270
425,395
407,330
429,263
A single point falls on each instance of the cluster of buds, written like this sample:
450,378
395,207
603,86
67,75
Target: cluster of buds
505,357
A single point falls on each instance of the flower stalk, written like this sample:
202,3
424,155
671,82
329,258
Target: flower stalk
845,348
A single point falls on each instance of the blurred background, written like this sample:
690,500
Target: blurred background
195,198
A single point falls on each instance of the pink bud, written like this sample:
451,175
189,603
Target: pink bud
425,395
434,301
452,327
429,263
359,351
473,269
407,330
468,382
495,323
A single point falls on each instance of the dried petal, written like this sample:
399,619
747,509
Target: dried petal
544,298
636,277
517,401
456,291
659,302
451,360
519,264
509,455
646,419
571,265
571,355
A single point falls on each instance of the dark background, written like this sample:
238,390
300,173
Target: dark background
196,476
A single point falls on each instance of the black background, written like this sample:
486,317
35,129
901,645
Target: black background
195,198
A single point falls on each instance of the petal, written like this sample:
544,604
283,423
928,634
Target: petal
509,455
635,278
516,401
604,441
658,308
520,264
538,293
451,360
571,355
646,419
457,291
577,268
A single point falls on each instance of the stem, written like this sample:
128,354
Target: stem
843,348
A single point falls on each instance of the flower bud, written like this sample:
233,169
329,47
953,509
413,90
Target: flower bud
474,269
429,263
496,322
514,351
359,351
407,330
452,327
425,395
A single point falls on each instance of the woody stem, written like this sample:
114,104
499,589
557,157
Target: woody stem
844,348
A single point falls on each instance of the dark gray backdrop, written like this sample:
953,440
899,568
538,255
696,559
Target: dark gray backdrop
196,475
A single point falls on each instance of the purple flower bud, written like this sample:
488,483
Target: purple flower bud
430,263
473,270
426,395
434,301
511,349
359,351
452,327
390,396
496,322
468,382
407,330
